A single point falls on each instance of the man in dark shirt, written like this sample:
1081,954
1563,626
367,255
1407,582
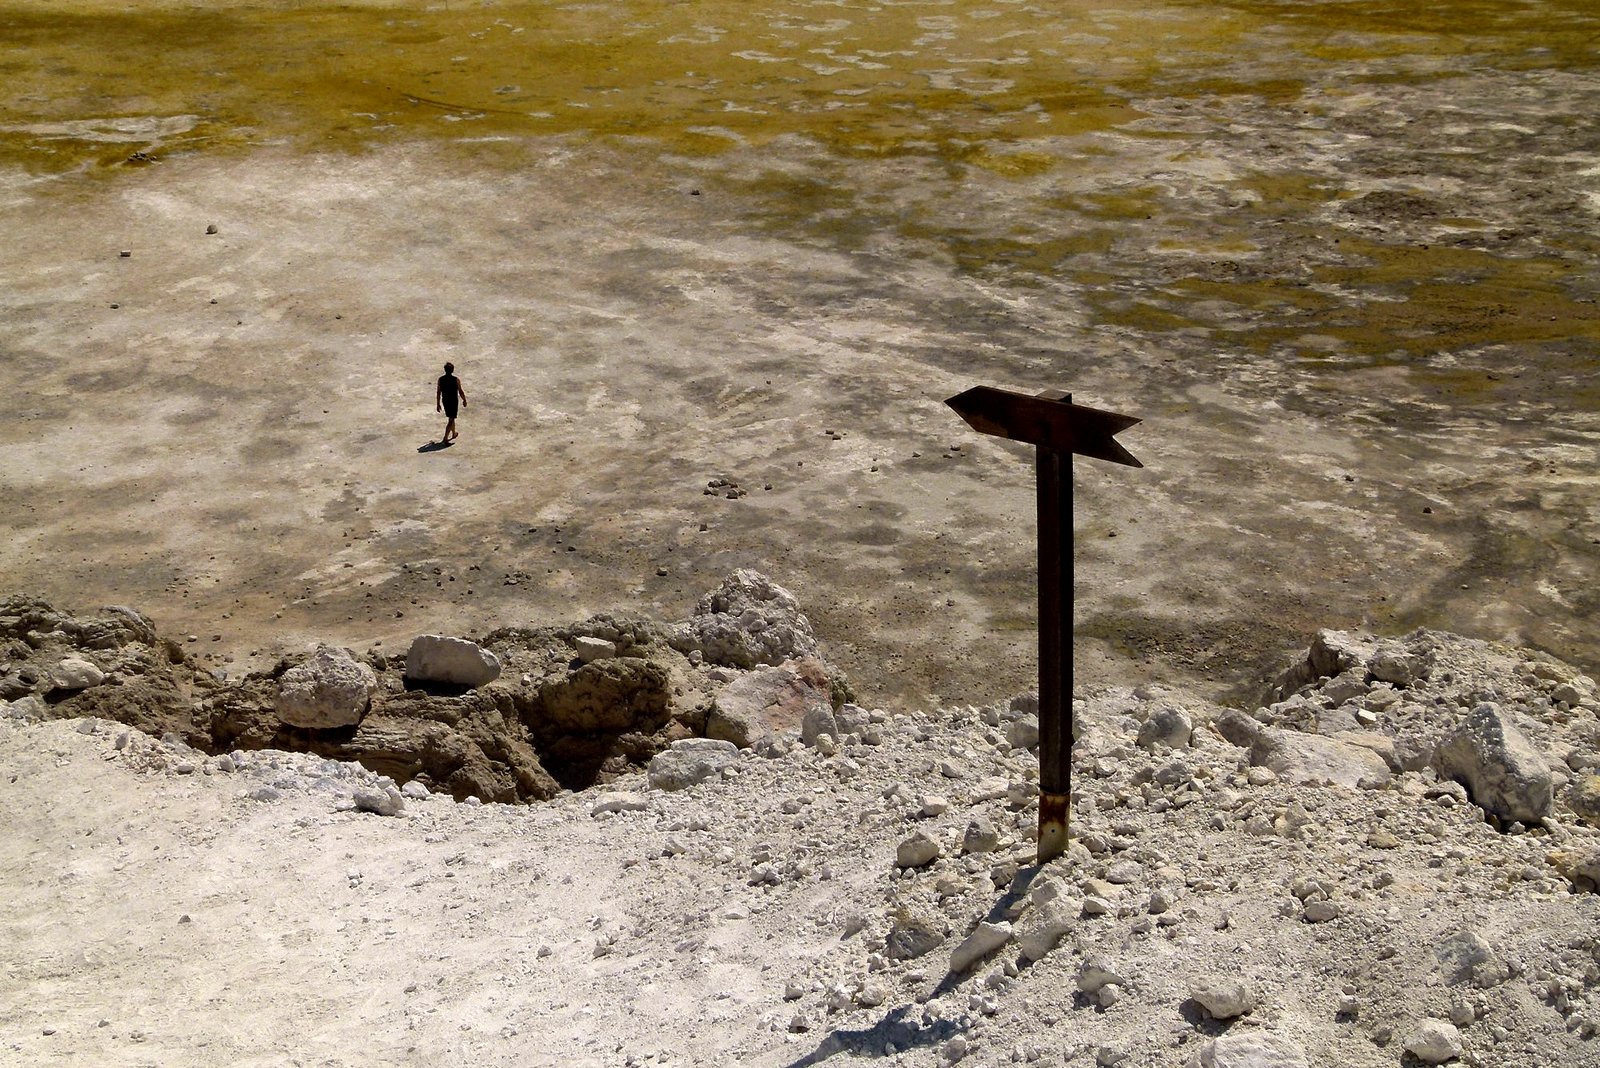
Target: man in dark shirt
445,396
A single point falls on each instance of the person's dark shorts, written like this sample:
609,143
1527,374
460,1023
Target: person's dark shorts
449,409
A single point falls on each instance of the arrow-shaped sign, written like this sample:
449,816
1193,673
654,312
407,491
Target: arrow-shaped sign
1057,425
1058,428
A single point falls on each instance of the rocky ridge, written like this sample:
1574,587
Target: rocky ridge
1392,861
519,716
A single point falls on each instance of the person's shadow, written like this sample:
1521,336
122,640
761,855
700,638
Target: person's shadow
435,446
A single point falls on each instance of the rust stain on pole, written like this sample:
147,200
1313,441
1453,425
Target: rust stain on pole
1052,825
1058,429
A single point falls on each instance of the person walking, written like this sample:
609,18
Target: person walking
445,396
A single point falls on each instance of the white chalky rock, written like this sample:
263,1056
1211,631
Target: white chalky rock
1253,1049
1321,911
746,621
872,994
1047,889
1044,927
689,761
1124,872
1168,725
1097,906
852,719
1460,952
1023,733
1434,1042
818,720
1096,972
1500,768
991,789
918,851
331,689
75,673
1223,999
984,940
618,802
980,837
383,800
1398,668
590,649
455,661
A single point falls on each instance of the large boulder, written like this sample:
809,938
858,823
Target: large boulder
465,746
754,706
608,696
331,689
747,621
1502,771
120,626
453,661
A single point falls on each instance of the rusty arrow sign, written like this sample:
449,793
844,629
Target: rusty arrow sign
1058,428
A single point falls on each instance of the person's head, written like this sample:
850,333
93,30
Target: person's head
449,368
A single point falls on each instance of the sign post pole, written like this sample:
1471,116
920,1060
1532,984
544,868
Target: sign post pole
1057,428
1055,647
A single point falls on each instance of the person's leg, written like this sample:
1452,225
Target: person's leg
450,429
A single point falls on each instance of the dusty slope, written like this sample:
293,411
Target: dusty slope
158,913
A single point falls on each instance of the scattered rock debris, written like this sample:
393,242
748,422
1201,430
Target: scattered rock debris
853,881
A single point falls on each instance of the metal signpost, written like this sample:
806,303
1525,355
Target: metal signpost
1057,428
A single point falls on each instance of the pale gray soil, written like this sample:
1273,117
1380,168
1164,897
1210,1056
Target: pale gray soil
168,908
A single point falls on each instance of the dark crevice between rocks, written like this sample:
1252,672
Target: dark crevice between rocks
434,689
